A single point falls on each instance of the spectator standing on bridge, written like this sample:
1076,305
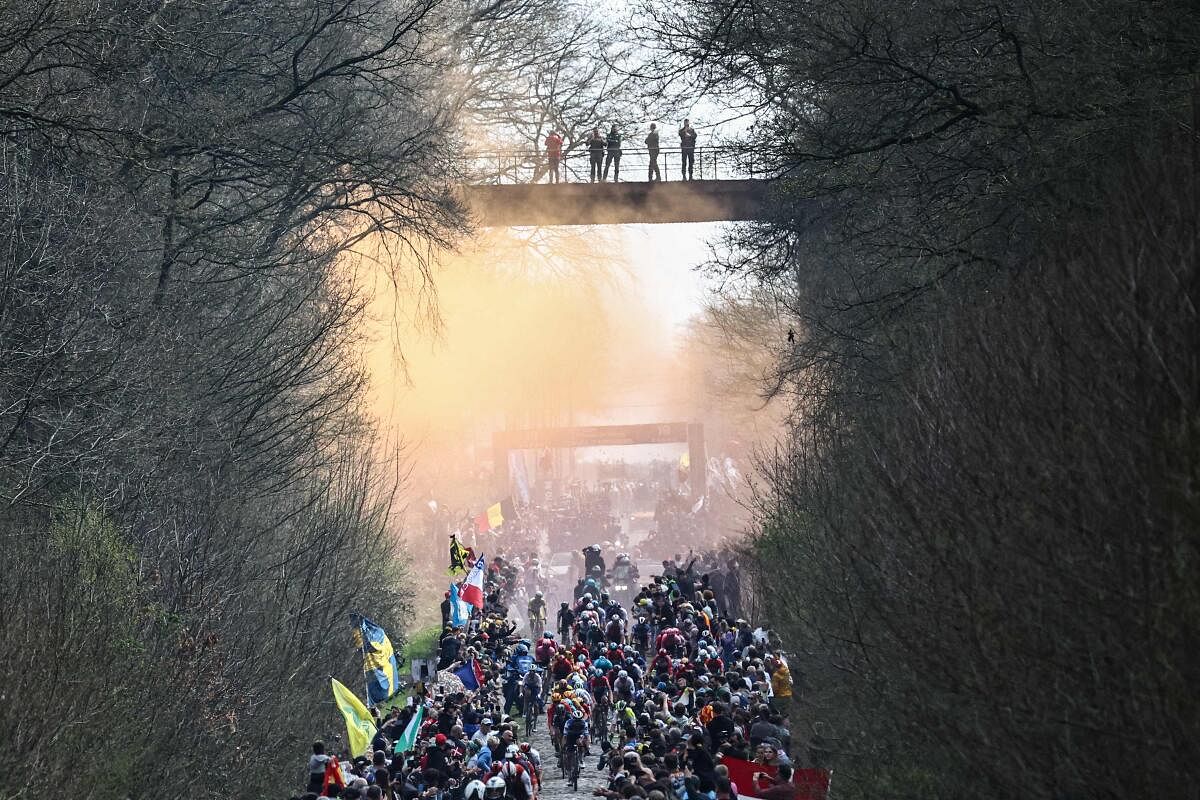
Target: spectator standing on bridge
613,157
652,147
595,145
687,147
554,144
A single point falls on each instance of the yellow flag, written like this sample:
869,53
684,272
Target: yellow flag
360,728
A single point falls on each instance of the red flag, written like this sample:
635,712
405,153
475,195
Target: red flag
333,776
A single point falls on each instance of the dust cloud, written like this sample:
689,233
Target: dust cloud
524,328
550,327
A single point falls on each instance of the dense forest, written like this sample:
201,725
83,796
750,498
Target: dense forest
980,530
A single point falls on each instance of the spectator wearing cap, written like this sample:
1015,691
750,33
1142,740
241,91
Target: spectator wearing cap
485,730
436,759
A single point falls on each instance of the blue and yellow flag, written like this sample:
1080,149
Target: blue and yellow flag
360,728
380,665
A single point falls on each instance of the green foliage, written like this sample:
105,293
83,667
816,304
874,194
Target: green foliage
423,643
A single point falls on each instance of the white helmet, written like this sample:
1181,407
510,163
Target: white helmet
512,752
495,788
474,790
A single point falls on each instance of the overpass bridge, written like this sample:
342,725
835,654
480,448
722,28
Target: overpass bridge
729,185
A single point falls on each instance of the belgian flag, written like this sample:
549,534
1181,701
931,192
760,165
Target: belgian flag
495,516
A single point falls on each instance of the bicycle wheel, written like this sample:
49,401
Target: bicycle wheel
575,769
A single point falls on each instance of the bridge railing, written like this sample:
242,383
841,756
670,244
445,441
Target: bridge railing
719,162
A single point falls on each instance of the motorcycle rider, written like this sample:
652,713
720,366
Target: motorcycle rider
593,561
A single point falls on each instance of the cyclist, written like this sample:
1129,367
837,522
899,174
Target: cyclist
517,779
562,665
545,649
495,788
624,687
537,613
531,694
575,739
531,755
601,691
566,618
614,629
641,634
475,791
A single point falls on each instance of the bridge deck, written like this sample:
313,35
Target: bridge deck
507,205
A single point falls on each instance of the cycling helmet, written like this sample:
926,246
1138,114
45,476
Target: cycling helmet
512,752
538,595
577,713
548,634
495,788
474,791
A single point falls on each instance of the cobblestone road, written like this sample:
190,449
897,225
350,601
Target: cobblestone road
554,787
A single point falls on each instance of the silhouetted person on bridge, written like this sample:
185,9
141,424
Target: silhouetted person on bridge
595,145
554,145
687,148
652,146
613,143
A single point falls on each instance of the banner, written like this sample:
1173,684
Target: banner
811,784
516,468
